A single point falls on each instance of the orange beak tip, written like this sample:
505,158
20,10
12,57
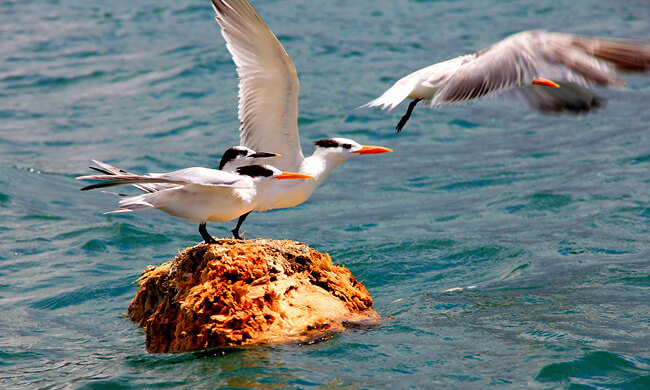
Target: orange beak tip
293,175
371,149
545,82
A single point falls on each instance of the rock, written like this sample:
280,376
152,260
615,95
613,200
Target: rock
236,293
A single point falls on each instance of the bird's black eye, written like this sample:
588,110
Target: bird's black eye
346,146
327,143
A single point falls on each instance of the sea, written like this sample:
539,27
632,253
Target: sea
503,248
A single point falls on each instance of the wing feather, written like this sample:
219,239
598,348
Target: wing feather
515,61
196,175
268,83
205,177
506,64
111,170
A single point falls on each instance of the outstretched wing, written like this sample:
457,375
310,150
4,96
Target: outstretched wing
515,61
268,83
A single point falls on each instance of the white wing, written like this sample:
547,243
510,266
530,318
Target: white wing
205,177
268,85
195,175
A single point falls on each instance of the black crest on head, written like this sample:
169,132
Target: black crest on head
327,143
331,143
231,154
254,171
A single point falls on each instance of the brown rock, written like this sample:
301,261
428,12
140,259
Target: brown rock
247,292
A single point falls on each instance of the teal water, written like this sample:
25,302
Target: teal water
543,222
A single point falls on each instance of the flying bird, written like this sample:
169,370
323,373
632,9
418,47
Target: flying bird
549,72
268,108
197,194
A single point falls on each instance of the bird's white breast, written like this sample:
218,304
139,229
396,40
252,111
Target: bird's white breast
289,193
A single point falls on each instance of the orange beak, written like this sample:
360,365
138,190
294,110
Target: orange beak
545,82
370,149
293,175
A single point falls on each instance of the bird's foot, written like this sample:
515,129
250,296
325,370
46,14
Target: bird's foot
405,117
211,240
206,236
401,123
235,234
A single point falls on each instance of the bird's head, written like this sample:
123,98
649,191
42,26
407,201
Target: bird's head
268,172
341,149
238,156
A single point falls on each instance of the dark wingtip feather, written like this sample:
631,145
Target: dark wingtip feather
101,185
104,171
218,7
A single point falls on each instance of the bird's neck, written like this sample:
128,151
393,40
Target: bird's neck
320,165
248,193
289,193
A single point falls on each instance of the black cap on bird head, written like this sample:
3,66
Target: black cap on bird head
254,171
236,152
332,143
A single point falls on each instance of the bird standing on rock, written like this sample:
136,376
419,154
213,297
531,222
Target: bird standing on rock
268,108
197,194
520,68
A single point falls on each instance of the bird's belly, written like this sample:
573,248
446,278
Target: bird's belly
228,215
229,209
206,206
421,91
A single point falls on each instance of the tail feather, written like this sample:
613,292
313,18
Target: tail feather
391,98
132,203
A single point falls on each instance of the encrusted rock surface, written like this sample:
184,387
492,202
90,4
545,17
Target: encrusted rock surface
236,293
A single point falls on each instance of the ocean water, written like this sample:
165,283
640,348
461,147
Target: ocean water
504,249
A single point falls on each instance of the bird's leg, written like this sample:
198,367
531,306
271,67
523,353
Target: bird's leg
206,236
406,116
235,231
